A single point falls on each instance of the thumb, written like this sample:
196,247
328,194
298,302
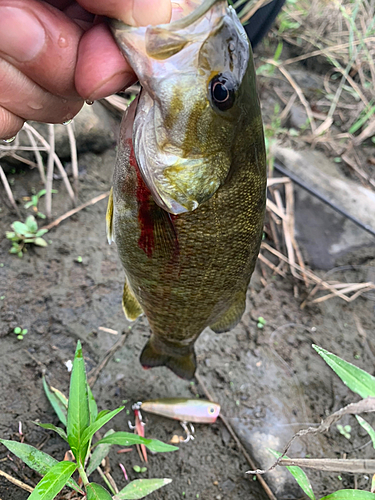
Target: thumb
132,12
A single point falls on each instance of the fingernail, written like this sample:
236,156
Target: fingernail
22,36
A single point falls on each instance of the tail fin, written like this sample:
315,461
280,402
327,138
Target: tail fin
182,366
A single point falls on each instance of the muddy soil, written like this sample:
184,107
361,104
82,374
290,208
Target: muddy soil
269,382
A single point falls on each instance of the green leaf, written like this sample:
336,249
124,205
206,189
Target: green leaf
99,453
140,488
35,459
28,204
92,405
20,227
60,396
367,428
299,475
41,232
128,439
96,492
53,482
52,427
10,234
98,424
356,379
40,242
31,224
350,495
56,403
78,406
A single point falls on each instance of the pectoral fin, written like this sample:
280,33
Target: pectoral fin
130,304
182,366
232,316
109,217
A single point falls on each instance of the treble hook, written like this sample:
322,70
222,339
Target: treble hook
189,432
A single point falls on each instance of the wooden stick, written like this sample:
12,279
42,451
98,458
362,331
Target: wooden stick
57,221
50,163
8,190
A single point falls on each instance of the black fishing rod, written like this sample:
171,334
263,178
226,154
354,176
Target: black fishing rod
284,171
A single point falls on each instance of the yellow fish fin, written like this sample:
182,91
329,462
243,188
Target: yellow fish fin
182,366
109,217
232,316
130,304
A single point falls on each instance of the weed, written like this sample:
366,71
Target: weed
80,415
363,384
34,200
23,233
20,332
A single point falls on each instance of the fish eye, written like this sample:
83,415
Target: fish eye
211,409
222,92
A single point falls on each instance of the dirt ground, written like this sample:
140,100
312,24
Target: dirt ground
269,382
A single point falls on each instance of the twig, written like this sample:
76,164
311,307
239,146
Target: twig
16,482
263,483
50,163
298,91
38,156
94,374
57,221
73,154
363,406
8,190
354,466
56,159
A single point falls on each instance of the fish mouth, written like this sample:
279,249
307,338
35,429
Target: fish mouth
176,130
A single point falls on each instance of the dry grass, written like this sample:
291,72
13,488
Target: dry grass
338,37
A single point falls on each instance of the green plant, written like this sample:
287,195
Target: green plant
34,200
80,415
20,332
361,383
25,232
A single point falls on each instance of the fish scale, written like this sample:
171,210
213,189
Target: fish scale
187,214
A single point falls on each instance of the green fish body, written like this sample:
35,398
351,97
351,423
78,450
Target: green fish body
189,188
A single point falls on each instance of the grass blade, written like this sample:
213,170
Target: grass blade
128,439
96,492
367,428
140,488
350,495
57,405
356,379
299,475
53,482
78,407
99,453
35,459
52,427
98,424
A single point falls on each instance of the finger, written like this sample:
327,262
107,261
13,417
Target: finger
80,16
101,68
22,97
40,41
10,124
133,12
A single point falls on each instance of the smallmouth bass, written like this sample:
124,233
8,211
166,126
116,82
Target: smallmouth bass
189,187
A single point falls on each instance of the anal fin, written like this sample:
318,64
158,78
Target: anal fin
130,305
183,366
232,316
109,218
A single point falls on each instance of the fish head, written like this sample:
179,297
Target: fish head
192,73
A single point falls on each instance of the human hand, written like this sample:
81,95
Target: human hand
58,53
